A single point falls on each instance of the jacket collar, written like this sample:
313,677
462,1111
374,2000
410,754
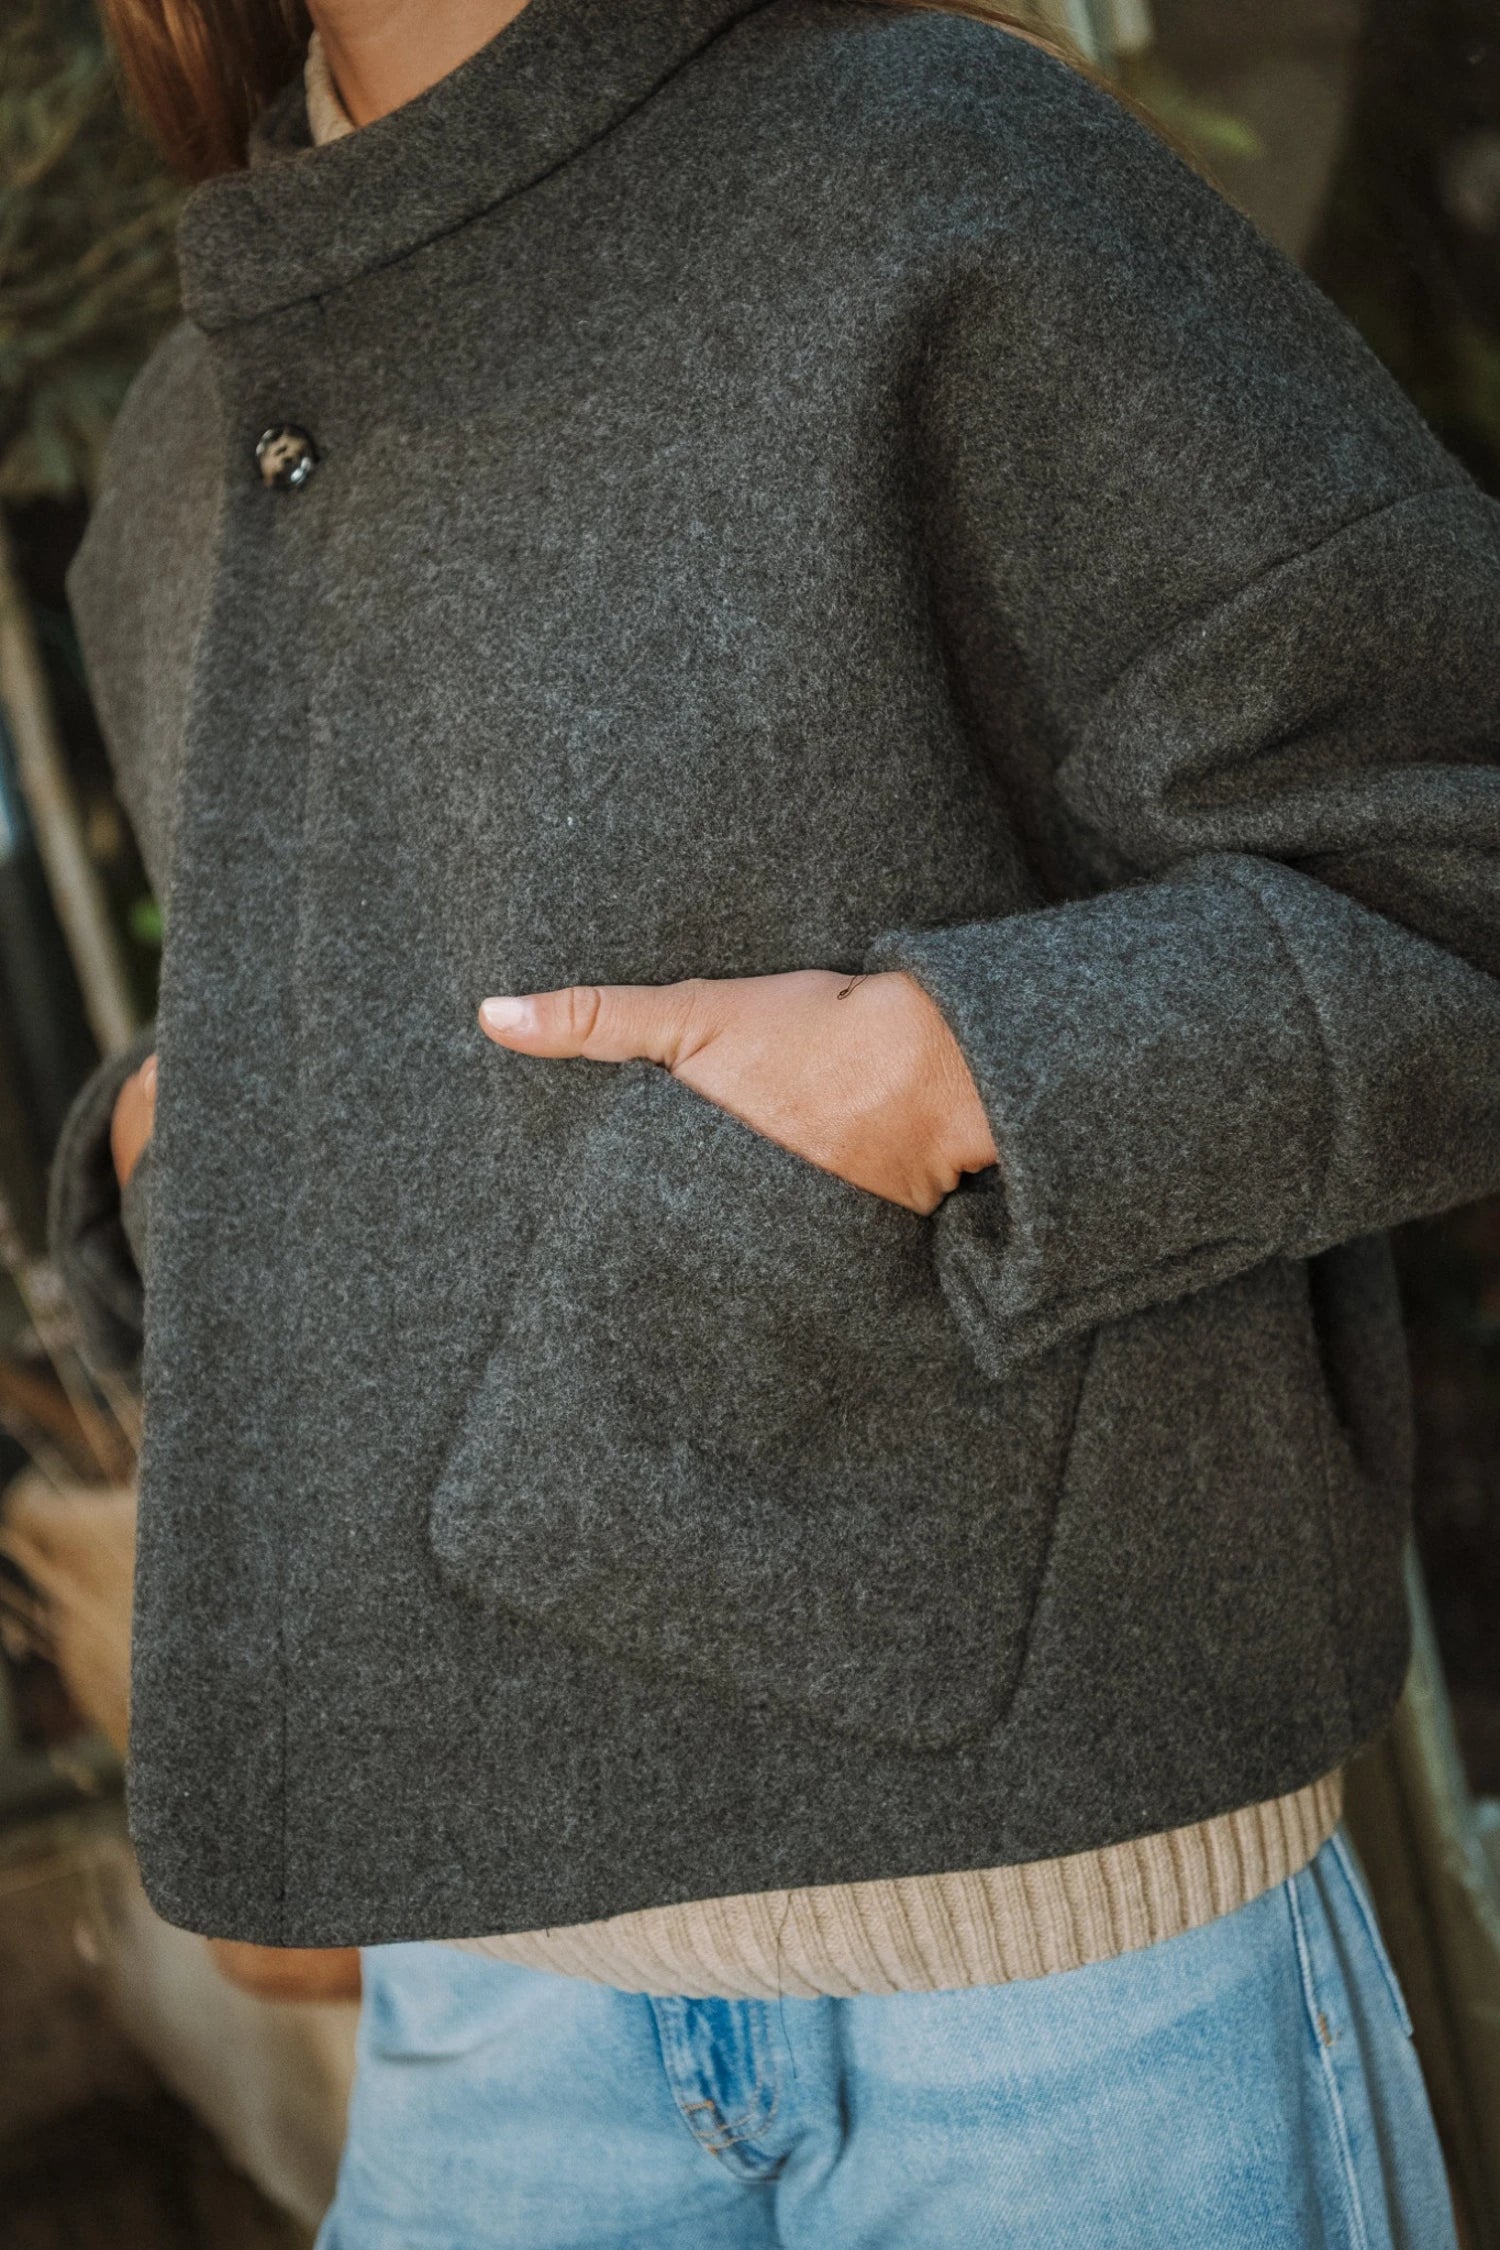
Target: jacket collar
302,219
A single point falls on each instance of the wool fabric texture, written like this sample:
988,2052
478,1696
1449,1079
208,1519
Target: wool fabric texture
929,1932
798,485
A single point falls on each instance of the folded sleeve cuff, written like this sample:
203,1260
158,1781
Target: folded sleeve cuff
1153,1077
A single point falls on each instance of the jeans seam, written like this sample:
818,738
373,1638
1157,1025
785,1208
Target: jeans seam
1322,2040
722,2134
737,2132
764,2100
1345,1857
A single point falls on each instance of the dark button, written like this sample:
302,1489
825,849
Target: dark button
285,456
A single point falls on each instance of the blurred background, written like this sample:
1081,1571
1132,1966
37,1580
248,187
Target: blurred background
155,2091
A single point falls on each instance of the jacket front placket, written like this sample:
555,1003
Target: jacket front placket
221,1369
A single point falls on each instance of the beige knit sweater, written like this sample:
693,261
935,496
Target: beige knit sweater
920,1933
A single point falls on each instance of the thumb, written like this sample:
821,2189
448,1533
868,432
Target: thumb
603,1022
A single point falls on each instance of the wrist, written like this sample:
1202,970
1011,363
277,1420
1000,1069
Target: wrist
960,1128
971,1146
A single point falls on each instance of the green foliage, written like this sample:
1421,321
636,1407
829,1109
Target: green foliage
145,921
87,275
1206,127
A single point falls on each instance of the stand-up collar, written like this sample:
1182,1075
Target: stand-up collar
302,219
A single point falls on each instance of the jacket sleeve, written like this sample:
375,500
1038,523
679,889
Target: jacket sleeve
1270,1022
96,1236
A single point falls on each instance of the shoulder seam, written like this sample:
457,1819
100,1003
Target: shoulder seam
1197,616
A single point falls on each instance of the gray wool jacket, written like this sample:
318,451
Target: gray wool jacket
797,484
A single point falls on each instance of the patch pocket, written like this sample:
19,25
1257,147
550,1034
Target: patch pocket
729,1434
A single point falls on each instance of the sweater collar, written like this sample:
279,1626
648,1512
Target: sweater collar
301,219
327,118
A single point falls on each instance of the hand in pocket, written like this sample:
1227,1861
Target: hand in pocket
860,1076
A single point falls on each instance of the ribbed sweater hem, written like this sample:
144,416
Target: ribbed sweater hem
935,1933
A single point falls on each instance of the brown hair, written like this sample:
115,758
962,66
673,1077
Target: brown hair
199,70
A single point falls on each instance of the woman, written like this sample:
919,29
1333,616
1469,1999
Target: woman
820,1480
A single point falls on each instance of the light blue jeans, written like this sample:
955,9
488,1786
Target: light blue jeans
1249,2086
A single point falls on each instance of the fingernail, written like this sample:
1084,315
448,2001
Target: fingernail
148,1075
504,1014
